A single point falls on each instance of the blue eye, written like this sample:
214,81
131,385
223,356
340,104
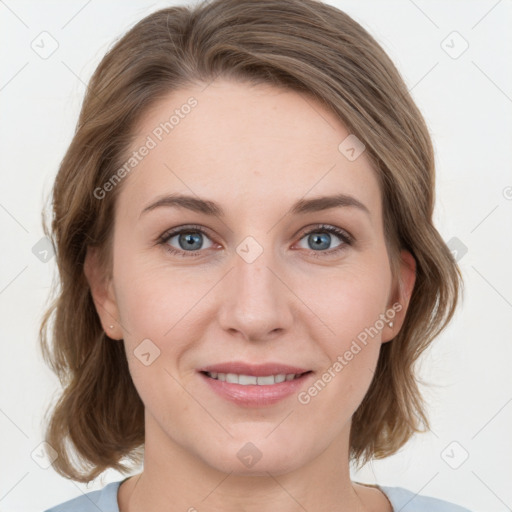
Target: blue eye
320,238
190,240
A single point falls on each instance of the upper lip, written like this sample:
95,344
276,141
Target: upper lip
258,370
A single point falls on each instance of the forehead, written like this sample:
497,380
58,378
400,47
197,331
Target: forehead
244,145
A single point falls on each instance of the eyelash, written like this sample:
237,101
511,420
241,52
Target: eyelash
342,234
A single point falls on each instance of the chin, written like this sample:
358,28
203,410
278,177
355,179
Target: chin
256,458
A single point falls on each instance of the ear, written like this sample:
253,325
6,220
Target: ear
401,296
103,295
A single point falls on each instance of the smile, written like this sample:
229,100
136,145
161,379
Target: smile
247,390
246,380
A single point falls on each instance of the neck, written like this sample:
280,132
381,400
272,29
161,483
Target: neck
174,479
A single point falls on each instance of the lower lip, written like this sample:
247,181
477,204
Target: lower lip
254,395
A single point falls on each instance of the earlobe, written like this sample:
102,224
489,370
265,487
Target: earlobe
102,293
401,296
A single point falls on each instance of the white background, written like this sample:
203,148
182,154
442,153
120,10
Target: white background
467,102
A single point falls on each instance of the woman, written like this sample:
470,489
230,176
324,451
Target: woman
249,268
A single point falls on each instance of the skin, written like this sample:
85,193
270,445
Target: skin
254,150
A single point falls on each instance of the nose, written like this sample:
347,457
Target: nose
257,303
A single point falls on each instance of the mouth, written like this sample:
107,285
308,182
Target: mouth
250,385
254,380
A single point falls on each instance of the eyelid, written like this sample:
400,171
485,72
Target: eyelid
180,229
340,232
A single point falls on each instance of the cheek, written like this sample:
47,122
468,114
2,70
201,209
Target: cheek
153,304
350,305
349,299
161,315
152,298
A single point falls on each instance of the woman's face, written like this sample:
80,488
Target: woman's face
265,281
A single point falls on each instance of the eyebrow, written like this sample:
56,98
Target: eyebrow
302,206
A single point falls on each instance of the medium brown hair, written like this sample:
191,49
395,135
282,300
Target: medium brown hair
302,45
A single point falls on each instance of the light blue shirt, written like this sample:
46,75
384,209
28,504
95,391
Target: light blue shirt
402,500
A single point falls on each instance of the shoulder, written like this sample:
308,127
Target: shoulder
104,499
407,501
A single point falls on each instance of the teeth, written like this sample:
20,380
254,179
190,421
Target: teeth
246,380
